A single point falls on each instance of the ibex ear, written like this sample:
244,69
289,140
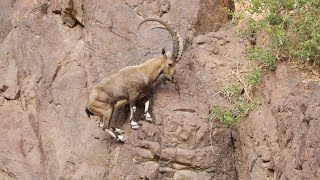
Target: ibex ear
169,54
164,55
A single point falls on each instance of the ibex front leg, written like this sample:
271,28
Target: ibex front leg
134,124
146,113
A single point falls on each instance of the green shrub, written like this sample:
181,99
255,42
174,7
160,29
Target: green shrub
293,29
237,95
292,25
262,55
254,77
231,92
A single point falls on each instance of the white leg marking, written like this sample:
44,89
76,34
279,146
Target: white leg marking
134,125
121,138
100,124
146,106
148,117
132,111
120,131
111,133
146,114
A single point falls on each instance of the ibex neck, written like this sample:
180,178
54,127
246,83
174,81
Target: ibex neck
153,69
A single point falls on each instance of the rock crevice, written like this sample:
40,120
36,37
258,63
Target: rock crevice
49,62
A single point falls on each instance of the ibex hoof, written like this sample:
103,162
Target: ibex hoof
148,117
121,138
134,125
100,124
120,131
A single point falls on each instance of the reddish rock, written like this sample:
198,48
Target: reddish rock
168,154
189,175
184,156
12,92
281,136
53,52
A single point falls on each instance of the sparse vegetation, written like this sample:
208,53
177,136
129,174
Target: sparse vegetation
240,98
292,29
264,56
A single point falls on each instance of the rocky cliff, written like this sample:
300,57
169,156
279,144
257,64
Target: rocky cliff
53,52
280,139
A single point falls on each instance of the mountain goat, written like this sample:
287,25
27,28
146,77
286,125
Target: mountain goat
132,84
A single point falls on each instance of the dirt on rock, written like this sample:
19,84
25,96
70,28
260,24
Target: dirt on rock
53,52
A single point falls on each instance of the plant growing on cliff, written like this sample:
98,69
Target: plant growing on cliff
293,29
240,98
263,56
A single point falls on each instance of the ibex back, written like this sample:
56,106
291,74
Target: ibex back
132,84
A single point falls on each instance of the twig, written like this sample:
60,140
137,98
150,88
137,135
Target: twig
217,93
237,74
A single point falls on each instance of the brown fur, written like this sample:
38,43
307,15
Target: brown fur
127,86
132,84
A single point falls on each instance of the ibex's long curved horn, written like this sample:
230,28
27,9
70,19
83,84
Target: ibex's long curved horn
180,40
176,38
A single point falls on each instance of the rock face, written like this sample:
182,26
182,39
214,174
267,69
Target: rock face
53,52
280,140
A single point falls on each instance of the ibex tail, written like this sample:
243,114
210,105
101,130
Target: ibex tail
88,112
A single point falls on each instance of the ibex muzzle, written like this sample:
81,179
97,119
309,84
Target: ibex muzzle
132,84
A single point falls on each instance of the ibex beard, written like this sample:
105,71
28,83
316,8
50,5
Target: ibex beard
131,85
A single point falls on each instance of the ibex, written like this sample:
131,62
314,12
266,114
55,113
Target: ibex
132,84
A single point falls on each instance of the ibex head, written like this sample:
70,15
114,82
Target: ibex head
169,60
168,67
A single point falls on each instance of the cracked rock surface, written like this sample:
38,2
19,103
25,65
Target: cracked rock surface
280,140
53,52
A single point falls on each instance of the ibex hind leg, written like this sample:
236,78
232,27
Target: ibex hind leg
118,105
105,112
99,109
105,116
117,132
116,135
114,132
